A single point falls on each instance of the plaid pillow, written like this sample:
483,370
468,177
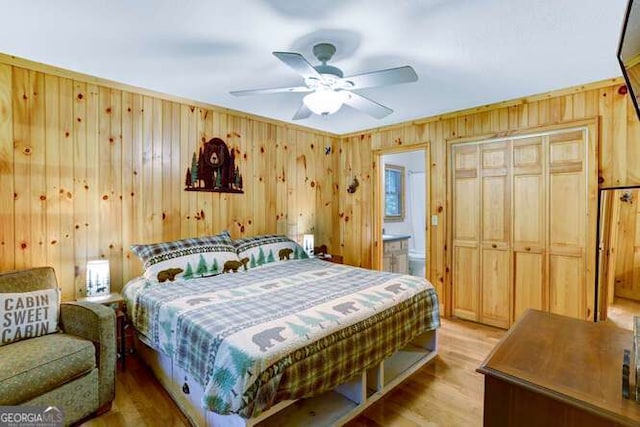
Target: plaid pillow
188,258
257,251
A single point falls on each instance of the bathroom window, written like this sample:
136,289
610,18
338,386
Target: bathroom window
393,193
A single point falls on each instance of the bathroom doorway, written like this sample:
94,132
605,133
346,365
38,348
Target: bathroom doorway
402,201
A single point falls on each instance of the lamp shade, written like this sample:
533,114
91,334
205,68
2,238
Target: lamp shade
324,102
98,278
307,243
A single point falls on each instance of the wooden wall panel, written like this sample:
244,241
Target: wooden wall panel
7,231
66,187
22,92
96,168
155,139
52,170
618,151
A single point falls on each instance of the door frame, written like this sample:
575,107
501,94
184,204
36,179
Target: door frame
601,290
378,214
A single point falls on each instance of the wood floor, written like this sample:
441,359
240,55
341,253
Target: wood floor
447,392
621,312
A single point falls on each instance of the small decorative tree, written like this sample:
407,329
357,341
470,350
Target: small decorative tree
194,170
236,178
260,259
241,361
188,273
312,321
330,317
202,266
299,330
200,166
187,181
270,257
225,380
366,303
215,268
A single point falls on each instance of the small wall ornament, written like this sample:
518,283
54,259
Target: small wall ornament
214,169
353,186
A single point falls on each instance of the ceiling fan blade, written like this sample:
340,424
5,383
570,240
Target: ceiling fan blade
386,77
302,113
298,63
368,106
270,90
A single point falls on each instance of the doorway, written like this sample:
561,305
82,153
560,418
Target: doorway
618,266
402,202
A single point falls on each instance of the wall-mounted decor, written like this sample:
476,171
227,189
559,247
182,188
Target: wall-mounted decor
214,168
353,186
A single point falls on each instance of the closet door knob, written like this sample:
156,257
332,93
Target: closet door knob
494,246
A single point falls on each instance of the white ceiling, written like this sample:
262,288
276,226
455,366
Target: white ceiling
465,52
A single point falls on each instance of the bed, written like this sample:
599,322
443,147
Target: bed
271,345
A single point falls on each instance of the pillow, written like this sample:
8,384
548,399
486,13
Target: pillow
188,258
28,314
257,251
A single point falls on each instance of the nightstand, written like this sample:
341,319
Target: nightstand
322,253
336,259
117,303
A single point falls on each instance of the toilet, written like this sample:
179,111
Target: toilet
417,263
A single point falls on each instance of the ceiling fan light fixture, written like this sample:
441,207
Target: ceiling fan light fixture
325,102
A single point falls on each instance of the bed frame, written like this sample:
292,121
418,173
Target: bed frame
331,408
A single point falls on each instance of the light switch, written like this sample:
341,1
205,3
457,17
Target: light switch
434,220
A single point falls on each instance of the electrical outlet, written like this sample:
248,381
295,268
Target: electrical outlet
434,220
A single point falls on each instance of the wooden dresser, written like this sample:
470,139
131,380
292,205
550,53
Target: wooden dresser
550,370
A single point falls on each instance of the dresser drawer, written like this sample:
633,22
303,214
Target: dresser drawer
396,246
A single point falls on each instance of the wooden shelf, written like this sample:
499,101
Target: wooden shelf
332,408
339,406
404,363
328,409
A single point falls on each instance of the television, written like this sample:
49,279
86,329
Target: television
629,51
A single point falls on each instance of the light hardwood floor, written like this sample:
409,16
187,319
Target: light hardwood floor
621,312
447,392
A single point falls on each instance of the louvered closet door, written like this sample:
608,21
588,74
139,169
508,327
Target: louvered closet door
567,214
495,254
466,238
528,226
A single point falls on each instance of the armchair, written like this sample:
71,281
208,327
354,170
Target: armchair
73,370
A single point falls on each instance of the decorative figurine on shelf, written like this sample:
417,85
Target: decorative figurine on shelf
214,169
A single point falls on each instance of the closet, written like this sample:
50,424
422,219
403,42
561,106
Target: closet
520,209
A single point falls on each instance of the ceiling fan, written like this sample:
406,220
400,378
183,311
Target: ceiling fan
327,87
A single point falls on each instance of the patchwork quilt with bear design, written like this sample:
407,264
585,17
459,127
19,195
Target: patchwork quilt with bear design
285,331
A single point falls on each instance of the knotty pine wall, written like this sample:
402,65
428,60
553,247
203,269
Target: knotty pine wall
87,169
618,158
